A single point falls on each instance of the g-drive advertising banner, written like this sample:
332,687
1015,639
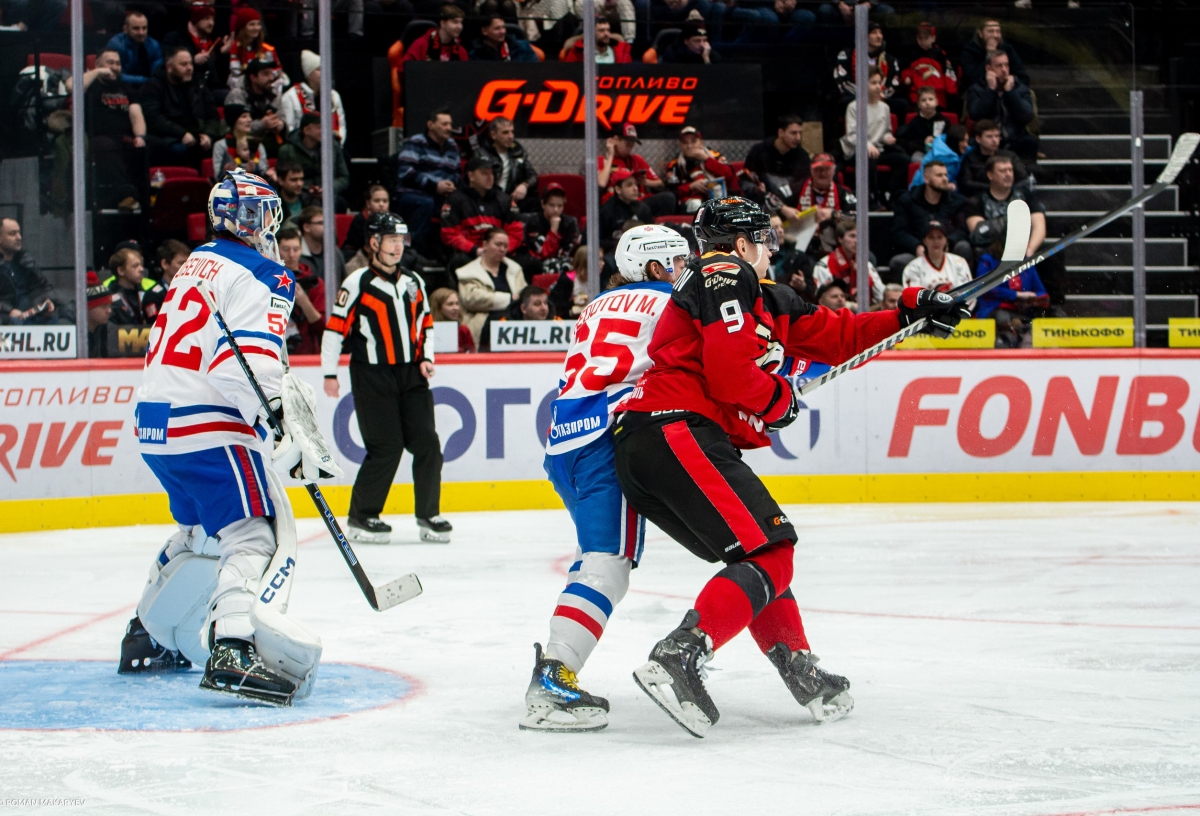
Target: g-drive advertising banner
545,99
69,431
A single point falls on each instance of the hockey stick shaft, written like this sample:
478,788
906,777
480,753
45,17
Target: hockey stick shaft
331,522
1184,147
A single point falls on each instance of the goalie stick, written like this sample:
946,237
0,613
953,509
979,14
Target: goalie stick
1010,268
385,597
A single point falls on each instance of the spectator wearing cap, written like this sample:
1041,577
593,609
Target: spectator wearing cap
929,68
239,148
303,146
200,41
842,264
934,200
99,310
248,44
1006,100
447,308
877,57
832,200
833,295
311,223
303,98
775,168
116,130
550,234
917,137
881,142
487,285
610,48
472,210
973,59
256,92
622,206
619,155
497,45
441,44
141,54
698,173
692,47
25,295
972,175
936,267
181,119
427,171
514,171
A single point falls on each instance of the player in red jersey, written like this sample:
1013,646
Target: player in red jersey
714,389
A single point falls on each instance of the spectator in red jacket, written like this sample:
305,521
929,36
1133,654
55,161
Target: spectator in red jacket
929,68
698,173
619,155
441,44
308,313
609,47
551,234
472,210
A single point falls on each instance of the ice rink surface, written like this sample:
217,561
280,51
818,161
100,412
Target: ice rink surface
1016,659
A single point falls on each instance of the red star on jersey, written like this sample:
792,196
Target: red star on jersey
285,280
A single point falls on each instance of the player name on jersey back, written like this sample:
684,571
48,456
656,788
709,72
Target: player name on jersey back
608,353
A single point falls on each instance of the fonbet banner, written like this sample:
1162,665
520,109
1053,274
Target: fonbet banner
68,430
545,100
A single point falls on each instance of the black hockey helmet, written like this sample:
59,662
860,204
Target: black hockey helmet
385,223
722,220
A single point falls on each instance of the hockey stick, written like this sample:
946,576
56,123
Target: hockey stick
1180,156
390,594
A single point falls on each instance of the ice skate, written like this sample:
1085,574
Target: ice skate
826,695
141,653
555,702
368,531
235,668
435,529
674,677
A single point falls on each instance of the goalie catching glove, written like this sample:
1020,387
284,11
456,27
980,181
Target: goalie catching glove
941,310
302,451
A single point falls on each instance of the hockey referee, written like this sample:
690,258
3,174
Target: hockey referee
382,316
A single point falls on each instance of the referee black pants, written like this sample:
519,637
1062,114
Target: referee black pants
395,413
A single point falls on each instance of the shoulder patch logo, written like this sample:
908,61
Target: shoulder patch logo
721,266
285,280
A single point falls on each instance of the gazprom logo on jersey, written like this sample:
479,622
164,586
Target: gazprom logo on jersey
573,418
150,419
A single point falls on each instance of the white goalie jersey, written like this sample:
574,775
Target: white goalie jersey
608,353
194,394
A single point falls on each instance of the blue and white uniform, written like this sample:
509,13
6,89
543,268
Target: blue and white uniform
198,419
607,356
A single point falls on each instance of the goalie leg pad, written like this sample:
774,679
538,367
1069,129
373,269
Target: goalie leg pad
284,644
246,549
174,603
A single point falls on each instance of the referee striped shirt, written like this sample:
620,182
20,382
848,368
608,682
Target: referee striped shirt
379,319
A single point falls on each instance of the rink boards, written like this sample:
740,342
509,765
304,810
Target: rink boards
912,426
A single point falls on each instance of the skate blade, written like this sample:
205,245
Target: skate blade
433,537
832,711
272,698
655,681
366,537
397,592
560,721
139,667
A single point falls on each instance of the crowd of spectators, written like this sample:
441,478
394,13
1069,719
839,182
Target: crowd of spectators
948,142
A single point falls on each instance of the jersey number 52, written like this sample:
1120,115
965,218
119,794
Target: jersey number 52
176,334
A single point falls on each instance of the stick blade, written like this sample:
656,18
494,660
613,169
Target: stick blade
397,592
1020,224
1185,146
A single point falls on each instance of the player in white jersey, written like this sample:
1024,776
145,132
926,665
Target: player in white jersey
608,354
218,590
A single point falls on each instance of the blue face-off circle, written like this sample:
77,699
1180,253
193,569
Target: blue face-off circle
57,695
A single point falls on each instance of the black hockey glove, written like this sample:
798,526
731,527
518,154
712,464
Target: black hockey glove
939,308
783,408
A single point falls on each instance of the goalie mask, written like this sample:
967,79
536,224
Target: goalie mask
246,206
653,242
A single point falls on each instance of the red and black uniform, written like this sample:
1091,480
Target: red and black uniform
467,216
545,244
712,391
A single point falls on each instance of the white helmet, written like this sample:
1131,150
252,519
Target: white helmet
652,242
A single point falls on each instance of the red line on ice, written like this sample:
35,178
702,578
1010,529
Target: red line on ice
63,632
1150,809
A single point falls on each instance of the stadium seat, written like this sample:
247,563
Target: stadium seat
576,193
178,198
60,62
341,223
197,227
545,280
895,122
171,172
951,118
206,169
396,61
675,219
664,39
414,29
913,167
